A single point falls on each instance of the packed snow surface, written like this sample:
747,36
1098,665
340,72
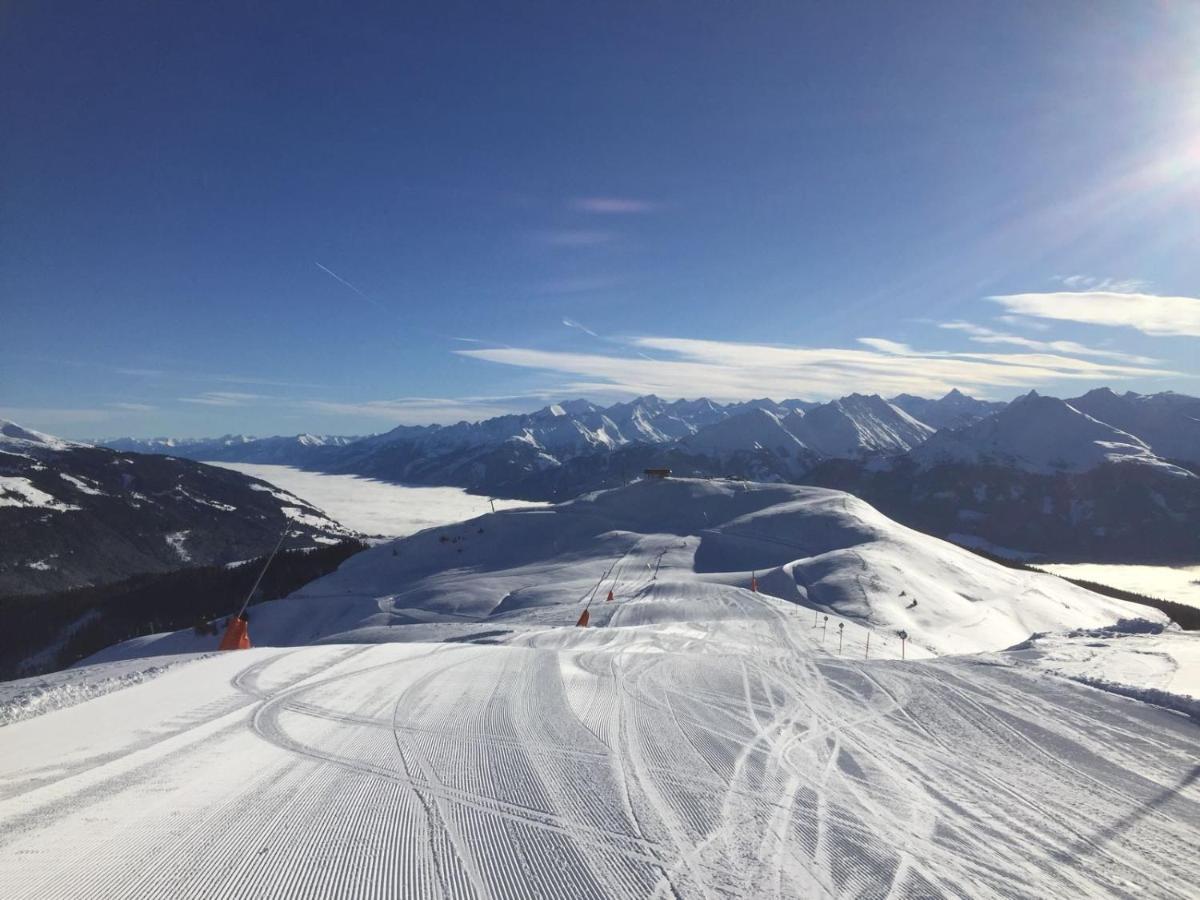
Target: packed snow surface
1162,667
455,734
29,697
376,507
1179,584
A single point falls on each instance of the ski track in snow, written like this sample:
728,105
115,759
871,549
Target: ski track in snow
604,763
697,740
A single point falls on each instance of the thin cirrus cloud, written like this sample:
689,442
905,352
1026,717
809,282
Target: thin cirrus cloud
571,323
1151,314
574,237
983,335
47,417
224,398
131,407
427,410
612,205
1094,283
725,370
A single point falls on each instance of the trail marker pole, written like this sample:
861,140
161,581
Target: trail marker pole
824,629
493,502
841,632
867,655
814,618
903,637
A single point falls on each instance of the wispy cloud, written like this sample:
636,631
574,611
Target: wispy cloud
50,417
574,237
571,323
1149,313
581,284
1022,322
135,373
727,370
225,398
1092,283
132,407
427,410
982,335
612,205
166,374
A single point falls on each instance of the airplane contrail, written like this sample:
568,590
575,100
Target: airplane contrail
369,299
571,323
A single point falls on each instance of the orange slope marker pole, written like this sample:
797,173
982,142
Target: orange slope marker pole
237,633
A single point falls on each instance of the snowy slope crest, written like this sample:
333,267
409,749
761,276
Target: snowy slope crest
15,438
678,552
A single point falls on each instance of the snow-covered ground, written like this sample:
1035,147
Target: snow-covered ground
1161,667
438,726
376,507
1179,584
29,697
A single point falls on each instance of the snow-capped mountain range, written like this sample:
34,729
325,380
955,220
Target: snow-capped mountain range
852,427
1101,476
1039,434
767,439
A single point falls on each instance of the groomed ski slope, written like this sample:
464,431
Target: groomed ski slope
699,740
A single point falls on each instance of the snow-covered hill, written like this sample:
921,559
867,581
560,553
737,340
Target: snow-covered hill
14,439
674,550
696,739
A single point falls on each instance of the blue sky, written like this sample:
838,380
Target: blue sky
275,218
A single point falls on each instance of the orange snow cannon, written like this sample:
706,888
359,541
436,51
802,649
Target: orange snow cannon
610,597
237,635
583,620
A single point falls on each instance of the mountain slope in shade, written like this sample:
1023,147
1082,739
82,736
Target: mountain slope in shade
858,425
1040,434
1168,423
74,515
954,410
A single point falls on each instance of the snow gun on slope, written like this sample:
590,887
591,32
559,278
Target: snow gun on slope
237,632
